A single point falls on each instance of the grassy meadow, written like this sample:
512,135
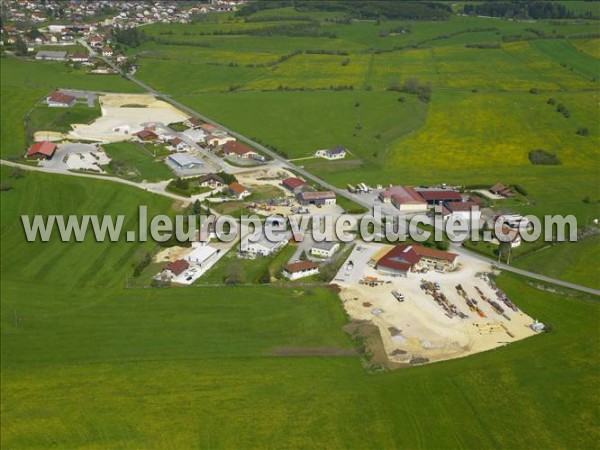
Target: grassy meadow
136,162
88,363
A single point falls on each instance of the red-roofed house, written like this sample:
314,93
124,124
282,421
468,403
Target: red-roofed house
237,190
238,149
405,258
300,269
146,135
175,268
293,184
405,198
60,99
41,150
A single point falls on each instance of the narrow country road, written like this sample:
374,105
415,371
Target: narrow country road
526,273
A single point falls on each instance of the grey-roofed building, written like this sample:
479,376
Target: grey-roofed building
48,55
184,164
258,243
325,249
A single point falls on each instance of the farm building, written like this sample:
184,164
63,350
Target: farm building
300,269
183,161
316,198
238,191
337,152
468,211
41,150
234,148
405,258
47,55
258,244
501,190
324,249
436,196
293,184
174,269
202,255
405,198
208,127
211,180
146,135
60,100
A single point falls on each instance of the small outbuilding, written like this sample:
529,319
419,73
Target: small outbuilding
41,150
316,198
300,269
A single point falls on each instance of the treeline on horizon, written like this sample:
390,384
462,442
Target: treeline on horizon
357,9
523,10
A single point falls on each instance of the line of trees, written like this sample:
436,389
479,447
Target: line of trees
519,10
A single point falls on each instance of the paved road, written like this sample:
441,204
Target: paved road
526,273
155,188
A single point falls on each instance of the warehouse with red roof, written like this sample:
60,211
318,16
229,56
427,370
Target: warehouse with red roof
41,150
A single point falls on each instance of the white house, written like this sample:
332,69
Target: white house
300,269
258,244
238,191
337,152
177,145
324,249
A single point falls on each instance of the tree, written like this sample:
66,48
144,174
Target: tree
197,207
583,131
303,256
20,47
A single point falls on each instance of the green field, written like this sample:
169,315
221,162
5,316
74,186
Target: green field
139,162
575,262
87,363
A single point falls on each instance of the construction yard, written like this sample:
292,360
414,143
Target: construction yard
431,315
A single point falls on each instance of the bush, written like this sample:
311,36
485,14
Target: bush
543,158
583,131
533,90
551,101
520,189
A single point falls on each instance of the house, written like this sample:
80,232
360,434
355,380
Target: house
146,135
177,145
96,41
501,190
47,55
300,269
107,52
174,269
258,244
324,249
218,138
184,162
209,128
234,148
316,198
79,57
202,255
211,180
437,196
405,198
468,211
238,191
60,100
405,258
337,152
192,122
41,150
293,184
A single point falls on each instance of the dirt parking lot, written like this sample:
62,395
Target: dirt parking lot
418,329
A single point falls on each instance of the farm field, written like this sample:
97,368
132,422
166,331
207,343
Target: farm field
576,262
109,364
